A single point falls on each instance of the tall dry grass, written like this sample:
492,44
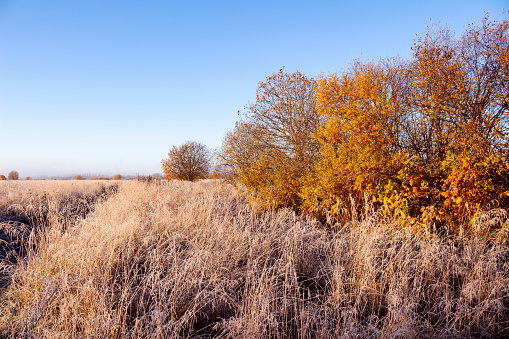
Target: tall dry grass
183,259
43,202
27,207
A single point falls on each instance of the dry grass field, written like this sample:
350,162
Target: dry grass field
195,260
28,207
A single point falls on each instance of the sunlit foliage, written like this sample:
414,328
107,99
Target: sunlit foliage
272,147
360,142
13,175
427,137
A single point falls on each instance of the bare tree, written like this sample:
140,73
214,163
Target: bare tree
189,161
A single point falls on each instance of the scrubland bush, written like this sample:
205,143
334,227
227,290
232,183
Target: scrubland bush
185,259
426,137
117,177
2,177
272,147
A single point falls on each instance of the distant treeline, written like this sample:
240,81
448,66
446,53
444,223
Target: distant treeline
13,175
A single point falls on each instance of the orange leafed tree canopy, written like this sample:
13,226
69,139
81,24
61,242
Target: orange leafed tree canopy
426,137
409,133
272,147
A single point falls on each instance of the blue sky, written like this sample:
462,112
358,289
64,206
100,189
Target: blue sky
107,87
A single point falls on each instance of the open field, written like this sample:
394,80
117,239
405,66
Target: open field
179,259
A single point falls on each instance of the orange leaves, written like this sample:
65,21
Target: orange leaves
412,134
459,92
425,137
273,146
360,139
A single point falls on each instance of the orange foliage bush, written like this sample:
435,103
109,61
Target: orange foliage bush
272,147
360,141
13,175
426,137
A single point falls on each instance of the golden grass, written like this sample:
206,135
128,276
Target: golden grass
179,259
49,201
28,207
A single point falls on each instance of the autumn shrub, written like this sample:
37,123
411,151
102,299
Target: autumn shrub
427,138
2,177
472,185
272,148
360,141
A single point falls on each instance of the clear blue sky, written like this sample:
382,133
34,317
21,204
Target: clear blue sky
108,87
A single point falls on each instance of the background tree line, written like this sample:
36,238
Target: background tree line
13,175
426,136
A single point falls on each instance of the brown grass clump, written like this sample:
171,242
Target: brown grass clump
180,259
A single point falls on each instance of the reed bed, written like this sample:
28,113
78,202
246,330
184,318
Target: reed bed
195,260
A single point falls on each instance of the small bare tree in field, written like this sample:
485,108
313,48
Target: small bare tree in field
13,175
190,161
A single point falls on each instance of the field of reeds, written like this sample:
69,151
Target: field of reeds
196,260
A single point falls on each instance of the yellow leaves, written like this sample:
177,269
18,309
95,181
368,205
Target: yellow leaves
426,136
